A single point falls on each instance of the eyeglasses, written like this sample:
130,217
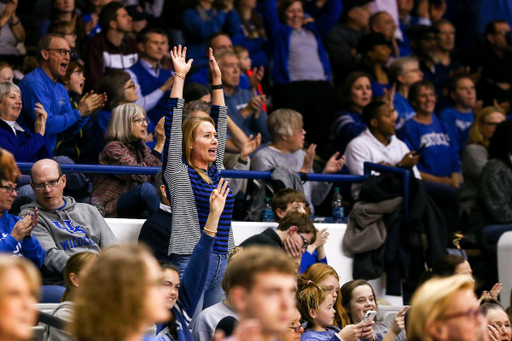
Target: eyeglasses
502,32
296,329
130,86
63,52
50,184
306,243
492,124
9,189
141,121
473,313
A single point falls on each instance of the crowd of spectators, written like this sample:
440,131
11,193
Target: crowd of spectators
287,86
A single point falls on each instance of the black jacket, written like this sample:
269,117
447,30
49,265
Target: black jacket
422,238
268,237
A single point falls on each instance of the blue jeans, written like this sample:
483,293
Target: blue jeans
137,200
494,232
212,293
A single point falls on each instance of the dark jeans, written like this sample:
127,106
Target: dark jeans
137,200
447,200
312,99
494,232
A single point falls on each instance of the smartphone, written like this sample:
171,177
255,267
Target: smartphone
369,316
420,149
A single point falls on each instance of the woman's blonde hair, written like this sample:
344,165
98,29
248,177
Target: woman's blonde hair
430,303
29,271
317,273
120,124
475,136
284,122
110,302
74,265
189,129
309,297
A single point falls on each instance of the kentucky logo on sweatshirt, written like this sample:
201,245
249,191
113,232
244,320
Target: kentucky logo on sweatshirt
80,233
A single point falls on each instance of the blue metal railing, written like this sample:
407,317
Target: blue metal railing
368,168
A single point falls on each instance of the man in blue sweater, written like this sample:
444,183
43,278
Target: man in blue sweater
151,80
16,233
41,86
243,107
460,117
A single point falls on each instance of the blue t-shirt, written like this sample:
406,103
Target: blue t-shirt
404,110
310,335
459,123
440,157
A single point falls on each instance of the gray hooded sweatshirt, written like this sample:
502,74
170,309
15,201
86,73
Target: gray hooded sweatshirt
64,232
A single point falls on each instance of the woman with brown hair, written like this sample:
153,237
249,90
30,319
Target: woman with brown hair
19,291
475,156
73,271
358,297
119,89
347,124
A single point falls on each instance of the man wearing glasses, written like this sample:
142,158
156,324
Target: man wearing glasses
16,233
293,235
41,86
65,227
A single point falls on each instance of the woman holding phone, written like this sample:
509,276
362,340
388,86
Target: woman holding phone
358,298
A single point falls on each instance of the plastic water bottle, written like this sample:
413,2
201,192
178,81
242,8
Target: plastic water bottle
268,215
338,212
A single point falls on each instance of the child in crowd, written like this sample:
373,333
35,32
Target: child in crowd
316,306
67,30
246,71
288,200
73,143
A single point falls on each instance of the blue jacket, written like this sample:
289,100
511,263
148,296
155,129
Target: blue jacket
309,259
257,48
279,37
25,146
196,31
345,127
38,87
191,289
28,247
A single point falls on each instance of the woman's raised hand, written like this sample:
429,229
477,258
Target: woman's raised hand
218,197
178,55
214,67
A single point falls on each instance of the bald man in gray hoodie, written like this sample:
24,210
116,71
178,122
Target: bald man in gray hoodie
65,226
